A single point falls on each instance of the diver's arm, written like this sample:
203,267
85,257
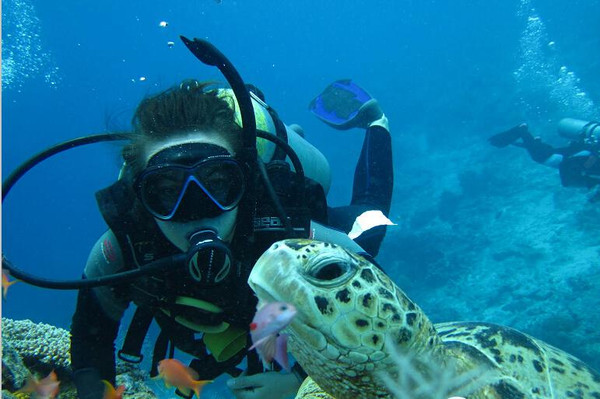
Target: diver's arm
92,346
95,323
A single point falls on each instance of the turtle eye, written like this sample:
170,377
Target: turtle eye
330,271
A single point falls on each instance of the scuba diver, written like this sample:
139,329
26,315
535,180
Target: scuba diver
578,163
191,192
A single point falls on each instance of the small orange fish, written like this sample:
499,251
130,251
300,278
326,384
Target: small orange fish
46,388
111,393
6,283
174,373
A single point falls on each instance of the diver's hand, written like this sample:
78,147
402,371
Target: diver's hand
269,385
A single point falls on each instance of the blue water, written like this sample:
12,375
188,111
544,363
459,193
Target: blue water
447,74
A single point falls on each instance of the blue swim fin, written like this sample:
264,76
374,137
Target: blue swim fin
340,103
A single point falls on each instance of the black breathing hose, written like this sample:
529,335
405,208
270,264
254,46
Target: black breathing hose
209,55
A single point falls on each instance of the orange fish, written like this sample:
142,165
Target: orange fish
174,373
111,393
6,283
46,388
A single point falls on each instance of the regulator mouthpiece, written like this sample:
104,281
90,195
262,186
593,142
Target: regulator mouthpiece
209,259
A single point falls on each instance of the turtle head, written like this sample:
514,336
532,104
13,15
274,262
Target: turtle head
348,310
303,266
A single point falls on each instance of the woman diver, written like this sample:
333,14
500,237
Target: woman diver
188,192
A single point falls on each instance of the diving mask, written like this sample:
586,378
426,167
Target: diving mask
175,185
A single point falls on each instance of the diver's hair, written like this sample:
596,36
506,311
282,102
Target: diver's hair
188,106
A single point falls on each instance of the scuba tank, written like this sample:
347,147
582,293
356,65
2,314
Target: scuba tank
577,129
315,164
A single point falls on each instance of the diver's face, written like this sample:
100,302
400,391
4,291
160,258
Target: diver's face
175,229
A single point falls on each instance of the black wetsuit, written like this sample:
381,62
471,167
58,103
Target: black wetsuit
97,317
578,163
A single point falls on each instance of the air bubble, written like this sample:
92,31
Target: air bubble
23,57
541,79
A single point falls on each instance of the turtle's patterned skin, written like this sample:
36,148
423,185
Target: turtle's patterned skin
349,310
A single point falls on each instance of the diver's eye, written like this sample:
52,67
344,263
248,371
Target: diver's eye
330,271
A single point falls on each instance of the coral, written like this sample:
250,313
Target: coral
14,372
42,347
38,348
134,380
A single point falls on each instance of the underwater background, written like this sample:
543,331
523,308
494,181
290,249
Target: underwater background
482,234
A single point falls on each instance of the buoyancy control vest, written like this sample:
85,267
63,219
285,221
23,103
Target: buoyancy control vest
173,299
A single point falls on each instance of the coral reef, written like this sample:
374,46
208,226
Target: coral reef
503,243
42,347
134,380
30,348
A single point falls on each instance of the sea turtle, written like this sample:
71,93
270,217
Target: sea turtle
355,329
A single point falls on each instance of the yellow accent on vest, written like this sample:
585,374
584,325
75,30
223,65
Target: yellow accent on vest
223,341
225,345
197,327
198,303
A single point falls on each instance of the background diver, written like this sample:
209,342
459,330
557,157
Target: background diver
184,188
578,162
